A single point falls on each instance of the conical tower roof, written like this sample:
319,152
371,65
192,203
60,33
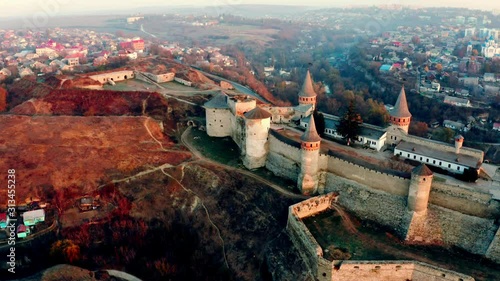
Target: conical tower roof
219,101
422,170
307,88
401,106
258,113
311,135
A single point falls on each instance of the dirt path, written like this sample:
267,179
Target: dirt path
200,156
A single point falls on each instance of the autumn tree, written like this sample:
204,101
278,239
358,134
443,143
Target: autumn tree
418,129
3,99
65,251
443,134
349,125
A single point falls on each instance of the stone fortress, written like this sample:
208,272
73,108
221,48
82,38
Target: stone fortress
415,206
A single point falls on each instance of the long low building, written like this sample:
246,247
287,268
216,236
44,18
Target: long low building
371,136
447,160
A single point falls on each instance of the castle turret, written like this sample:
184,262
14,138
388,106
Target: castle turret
459,142
255,148
309,157
400,116
307,94
218,116
420,187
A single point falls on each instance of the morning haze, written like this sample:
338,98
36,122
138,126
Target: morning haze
64,7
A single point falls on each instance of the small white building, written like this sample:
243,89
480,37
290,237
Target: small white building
160,77
459,126
489,77
33,217
457,101
370,135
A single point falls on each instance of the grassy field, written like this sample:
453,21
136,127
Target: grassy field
222,150
225,151
221,34
373,243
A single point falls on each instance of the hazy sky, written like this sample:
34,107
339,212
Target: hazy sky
60,7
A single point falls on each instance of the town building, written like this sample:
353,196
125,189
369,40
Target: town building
135,44
490,48
33,217
22,231
457,101
454,125
4,220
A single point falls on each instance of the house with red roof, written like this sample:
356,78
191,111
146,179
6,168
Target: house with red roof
4,220
22,231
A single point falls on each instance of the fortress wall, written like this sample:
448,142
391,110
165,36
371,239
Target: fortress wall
368,203
374,271
493,252
282,166
470,233
291,150
427,272
323,162
304,241
374,179
283,159
313,205
443,146
464,200
394,271
238,131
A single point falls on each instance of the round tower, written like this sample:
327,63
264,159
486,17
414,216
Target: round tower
309,157
459,142
307,95
420,187
255,148
400,116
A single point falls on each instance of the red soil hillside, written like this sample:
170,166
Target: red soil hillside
80,151
93,102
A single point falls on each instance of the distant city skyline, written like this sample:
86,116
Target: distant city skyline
65,7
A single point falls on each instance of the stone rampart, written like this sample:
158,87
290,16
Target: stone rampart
325,270
391,183
464,200
304,241
286,149
493,252
470,233
394,270
284,157
282,166
367,203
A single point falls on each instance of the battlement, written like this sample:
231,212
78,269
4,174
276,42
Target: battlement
347,270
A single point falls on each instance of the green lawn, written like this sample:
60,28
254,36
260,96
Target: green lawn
225,151
222,150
